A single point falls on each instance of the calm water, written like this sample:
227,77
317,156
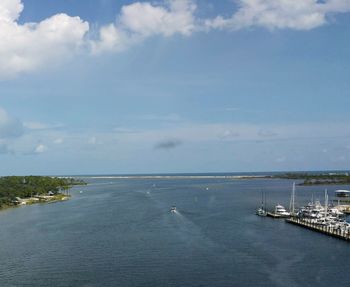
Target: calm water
121,233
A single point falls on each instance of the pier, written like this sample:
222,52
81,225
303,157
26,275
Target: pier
325,229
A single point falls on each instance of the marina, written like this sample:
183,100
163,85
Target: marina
328,219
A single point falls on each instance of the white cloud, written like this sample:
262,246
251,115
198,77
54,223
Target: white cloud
147,20
111,38
27,47
10,10
279,14
140,20
40,148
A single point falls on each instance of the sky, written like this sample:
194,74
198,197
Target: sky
173,86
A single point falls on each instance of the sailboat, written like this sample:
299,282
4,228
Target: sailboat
261,211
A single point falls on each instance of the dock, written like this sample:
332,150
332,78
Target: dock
328,230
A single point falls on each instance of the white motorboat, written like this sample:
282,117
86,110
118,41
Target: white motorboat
280,211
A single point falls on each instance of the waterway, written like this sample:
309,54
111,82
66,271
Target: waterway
119,232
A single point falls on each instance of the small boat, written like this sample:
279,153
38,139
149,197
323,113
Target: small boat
261,210
280,211
173,209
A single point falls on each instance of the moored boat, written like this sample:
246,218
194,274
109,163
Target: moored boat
280,211
261,211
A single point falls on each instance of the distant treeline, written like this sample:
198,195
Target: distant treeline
315,179
27,186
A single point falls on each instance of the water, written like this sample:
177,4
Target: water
119,232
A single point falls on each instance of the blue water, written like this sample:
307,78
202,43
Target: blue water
119,232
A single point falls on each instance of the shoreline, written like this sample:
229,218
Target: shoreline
31,201
178,177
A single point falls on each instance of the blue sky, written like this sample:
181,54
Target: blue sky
173,86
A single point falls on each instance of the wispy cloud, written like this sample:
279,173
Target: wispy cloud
32,125
280,14
58,141
10,127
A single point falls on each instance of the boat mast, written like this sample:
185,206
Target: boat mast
292,200
293,206
325,202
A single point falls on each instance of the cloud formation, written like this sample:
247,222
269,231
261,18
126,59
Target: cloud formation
27,47
30,46
141,20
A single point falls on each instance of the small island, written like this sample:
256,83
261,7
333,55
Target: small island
22,190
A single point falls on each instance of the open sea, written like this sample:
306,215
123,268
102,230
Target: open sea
119,232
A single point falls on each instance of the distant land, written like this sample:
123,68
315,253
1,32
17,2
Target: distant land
307,177
22,190
329,178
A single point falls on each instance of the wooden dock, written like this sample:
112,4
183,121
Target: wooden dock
338,233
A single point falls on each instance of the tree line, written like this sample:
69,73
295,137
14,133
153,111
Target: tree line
27,186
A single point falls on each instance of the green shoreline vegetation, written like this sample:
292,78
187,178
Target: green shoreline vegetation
21,190
318,179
